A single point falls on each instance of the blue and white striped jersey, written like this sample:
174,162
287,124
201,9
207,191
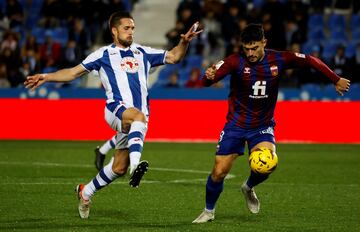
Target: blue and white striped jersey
124,73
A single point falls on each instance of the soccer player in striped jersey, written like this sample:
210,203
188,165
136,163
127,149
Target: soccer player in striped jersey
254,82
123,67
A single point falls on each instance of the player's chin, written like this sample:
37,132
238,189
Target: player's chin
253,59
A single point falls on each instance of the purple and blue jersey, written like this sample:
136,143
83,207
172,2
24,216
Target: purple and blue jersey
254,86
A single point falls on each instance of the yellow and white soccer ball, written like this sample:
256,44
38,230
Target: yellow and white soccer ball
263,161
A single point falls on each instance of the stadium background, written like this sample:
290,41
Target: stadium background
309,109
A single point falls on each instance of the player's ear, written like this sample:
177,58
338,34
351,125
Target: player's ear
113,31
264,42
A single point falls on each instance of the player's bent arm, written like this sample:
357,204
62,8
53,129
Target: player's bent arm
178,52
317,64
342,85
221,69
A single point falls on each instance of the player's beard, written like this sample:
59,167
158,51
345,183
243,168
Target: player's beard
125,42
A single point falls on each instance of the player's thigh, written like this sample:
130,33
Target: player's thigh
231,141
261,137
265,144
133,114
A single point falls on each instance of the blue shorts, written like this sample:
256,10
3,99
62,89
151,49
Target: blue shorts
233,139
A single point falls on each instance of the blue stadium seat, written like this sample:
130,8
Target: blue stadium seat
36,4
338,36
258,3
60,35
184,75
310,47
2,5
316,35
329,92
309,91
39,34
336,21
315,21
31,21
350,50
355,21
164,74
355,36
329,50
194,61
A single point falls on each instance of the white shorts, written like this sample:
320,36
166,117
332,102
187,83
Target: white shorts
115,123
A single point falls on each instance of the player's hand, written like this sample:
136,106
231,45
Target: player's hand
32,82
210,72
342,86
192,33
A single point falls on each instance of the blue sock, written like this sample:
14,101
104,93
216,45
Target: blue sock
255,179
213,191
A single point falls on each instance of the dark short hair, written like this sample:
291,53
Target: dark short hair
115,18
252,33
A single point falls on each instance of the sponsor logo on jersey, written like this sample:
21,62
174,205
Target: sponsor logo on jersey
274,70
259,88
137,52
300,55
247,70
269,130
218,65
129,65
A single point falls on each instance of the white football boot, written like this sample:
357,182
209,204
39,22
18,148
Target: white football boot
84,205
205,216
251,199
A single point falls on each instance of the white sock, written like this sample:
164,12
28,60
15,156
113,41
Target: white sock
136,141
103,178
108,145
134,160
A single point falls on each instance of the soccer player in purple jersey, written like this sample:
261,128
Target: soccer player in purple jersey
254,83
123,67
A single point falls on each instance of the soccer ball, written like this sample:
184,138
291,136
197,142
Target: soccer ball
263,161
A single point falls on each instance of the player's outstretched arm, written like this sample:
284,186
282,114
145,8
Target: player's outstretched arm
63,75
178,52
342,86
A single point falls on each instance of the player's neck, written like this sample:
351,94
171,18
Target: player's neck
120,45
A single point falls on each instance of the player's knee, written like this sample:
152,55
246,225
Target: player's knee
120,171
140,116
219,174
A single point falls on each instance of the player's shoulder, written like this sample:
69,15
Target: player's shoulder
99,51
146,49
285,53
235,57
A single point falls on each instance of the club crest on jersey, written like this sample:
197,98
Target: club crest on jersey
129,64
274,70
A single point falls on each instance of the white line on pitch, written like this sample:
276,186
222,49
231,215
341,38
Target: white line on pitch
229,176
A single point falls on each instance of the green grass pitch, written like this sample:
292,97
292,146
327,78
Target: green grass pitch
315,188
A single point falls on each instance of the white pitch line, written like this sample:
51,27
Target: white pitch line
229,176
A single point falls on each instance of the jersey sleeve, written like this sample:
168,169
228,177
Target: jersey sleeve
92,61
223,68
154,56
296,60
